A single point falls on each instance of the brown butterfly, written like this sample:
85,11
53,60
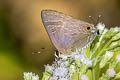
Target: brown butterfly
66,33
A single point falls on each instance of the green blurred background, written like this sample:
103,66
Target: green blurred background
22,31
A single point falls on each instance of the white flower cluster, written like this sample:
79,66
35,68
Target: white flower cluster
118,57
58,70
111,72
84,77
63,68
82,57
30,76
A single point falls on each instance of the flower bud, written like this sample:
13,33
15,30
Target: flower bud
84,77
53,78
30,76
111,72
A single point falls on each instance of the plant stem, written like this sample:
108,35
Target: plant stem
93,74
100,53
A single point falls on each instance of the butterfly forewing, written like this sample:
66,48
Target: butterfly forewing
53,24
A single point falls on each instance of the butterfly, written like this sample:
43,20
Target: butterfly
66,33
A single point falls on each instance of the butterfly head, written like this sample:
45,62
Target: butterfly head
90,29
90,32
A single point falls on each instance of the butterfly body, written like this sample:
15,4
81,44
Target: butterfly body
67,33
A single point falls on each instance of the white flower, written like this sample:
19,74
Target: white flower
109,54
53,78
30,76
26,74
64,64
35,77
116,29
82,58
111,72
85,60
100,26
60,71
88,62
77,56
72,69
105,30
49,68
63,79
118,57
84,77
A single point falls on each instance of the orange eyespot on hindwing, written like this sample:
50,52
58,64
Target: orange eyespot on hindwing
88,28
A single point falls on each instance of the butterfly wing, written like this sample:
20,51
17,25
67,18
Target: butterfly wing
74,35
66,33
53,22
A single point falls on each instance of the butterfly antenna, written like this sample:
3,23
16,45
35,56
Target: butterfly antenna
98,20
91,19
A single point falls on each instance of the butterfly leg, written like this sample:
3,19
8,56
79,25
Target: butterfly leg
57,54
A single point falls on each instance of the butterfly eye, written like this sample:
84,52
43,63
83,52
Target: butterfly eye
88,28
